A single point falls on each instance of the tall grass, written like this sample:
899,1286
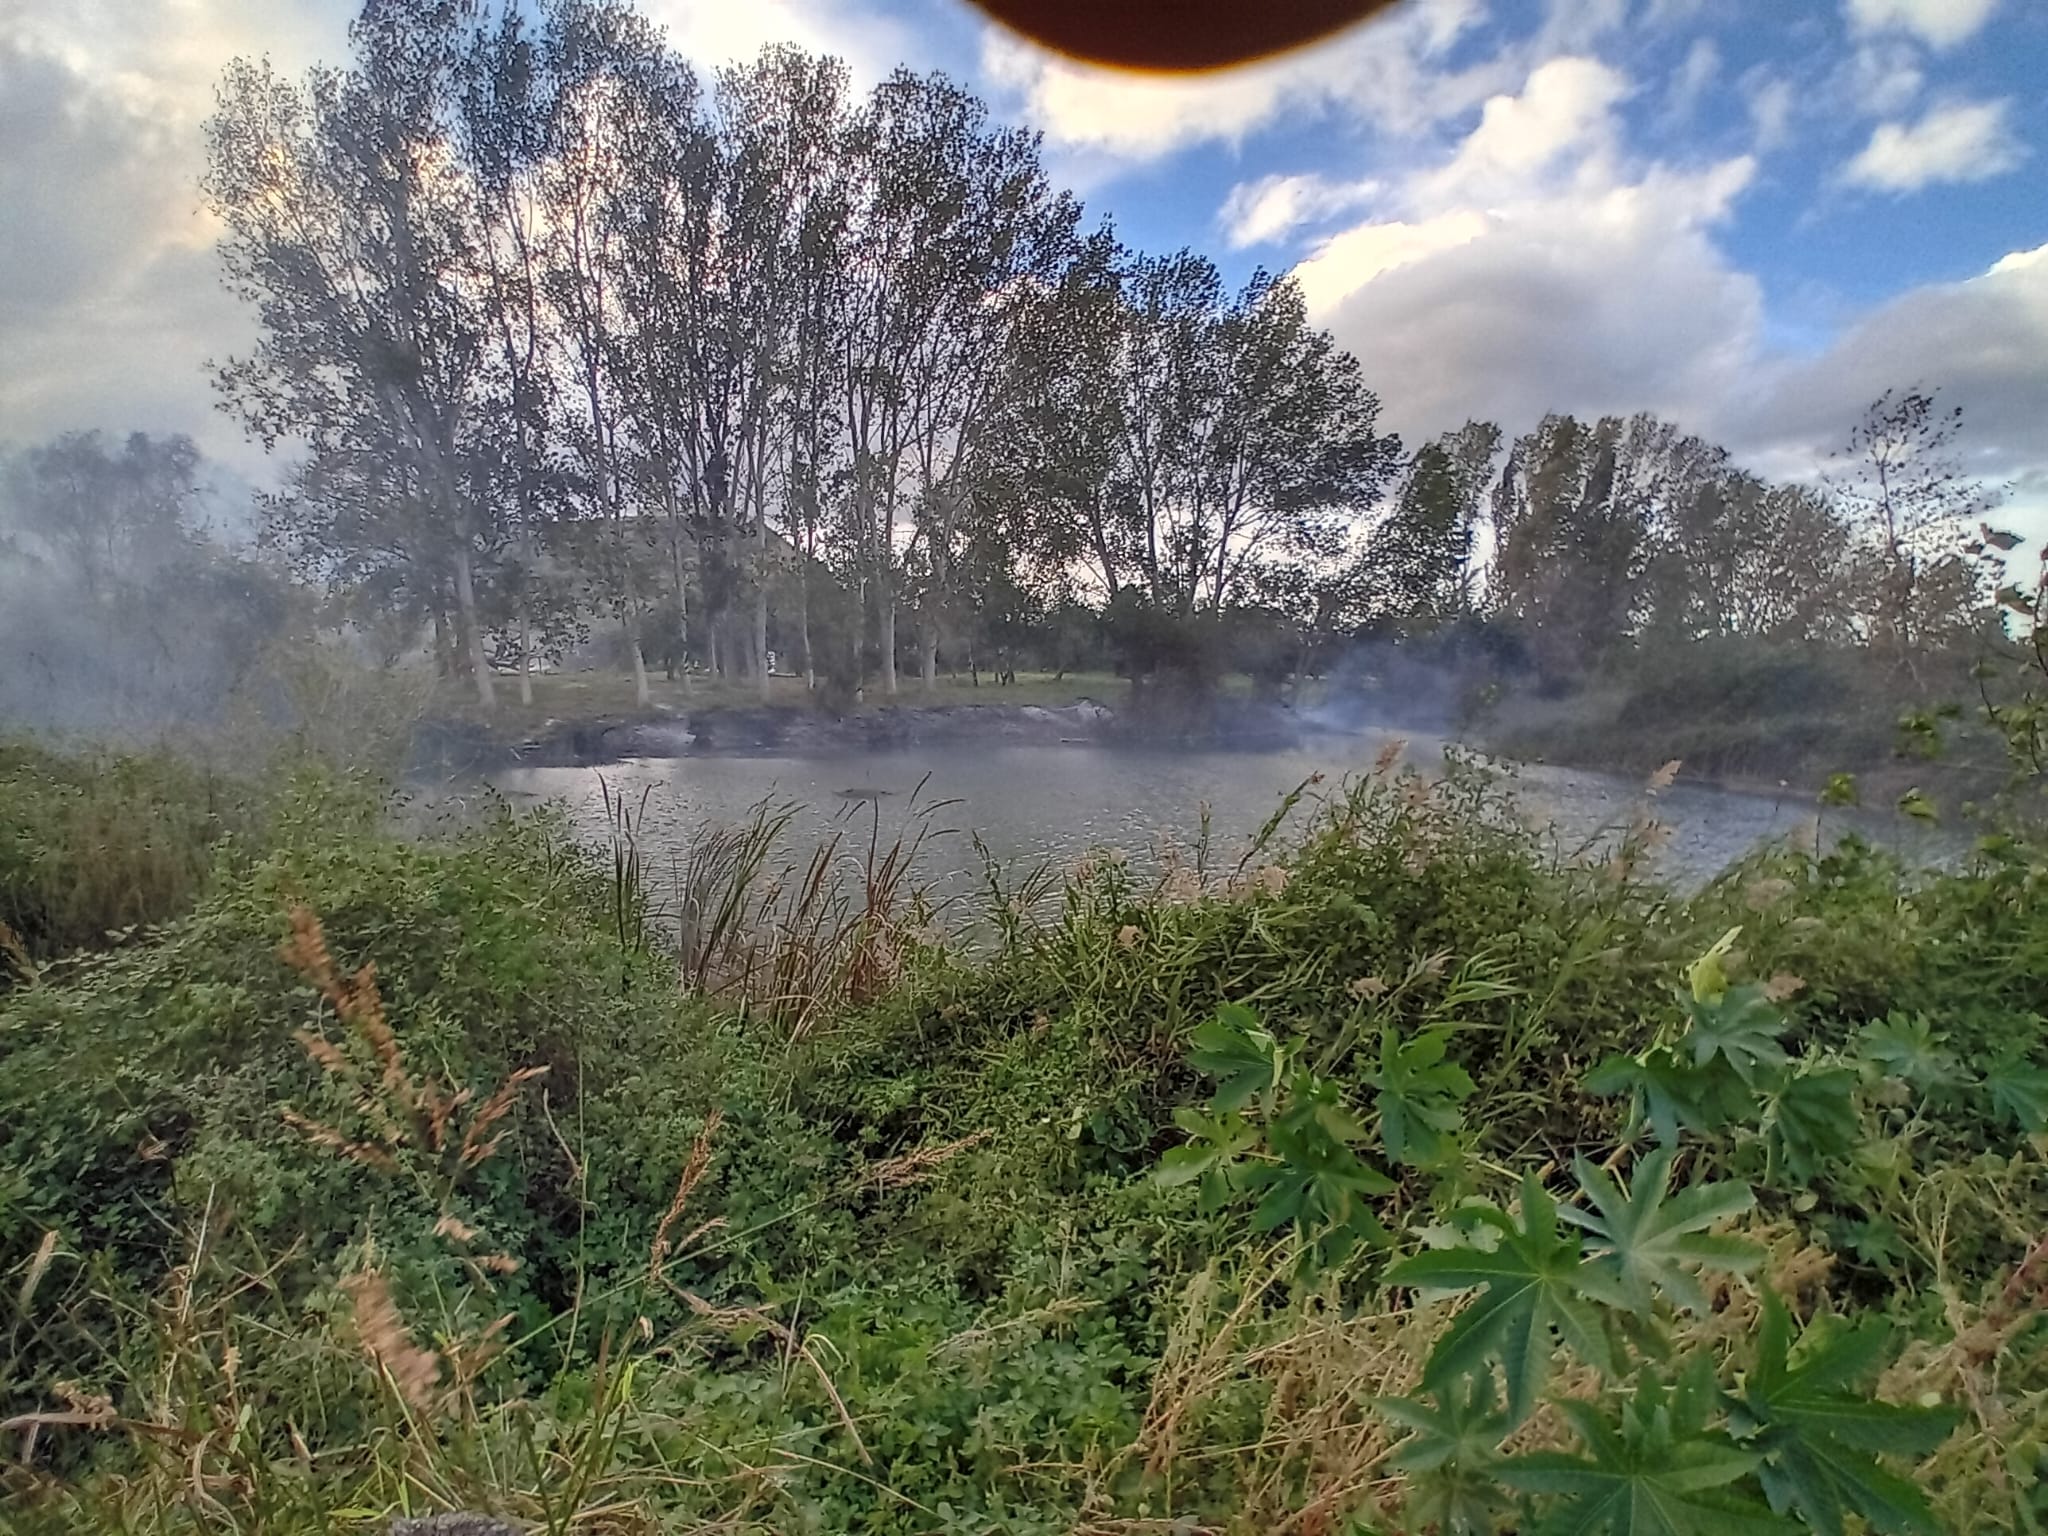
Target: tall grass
93,847
797,936
834,1210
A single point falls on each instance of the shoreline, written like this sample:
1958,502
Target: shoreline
757,730
463,746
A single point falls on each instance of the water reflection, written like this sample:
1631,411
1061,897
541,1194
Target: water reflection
1033,804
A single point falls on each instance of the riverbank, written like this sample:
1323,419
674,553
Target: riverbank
585,719
1139,1211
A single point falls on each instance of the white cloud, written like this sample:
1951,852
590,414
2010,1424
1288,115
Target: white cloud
1345,263
1939,23
109,299
1961,142
1538,269
1260,212
1981,342
1565,110
1880,78
712,33
1771,100
1689,82
1390,72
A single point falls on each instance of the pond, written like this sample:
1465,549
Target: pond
1033,804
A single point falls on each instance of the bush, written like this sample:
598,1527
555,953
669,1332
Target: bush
1090,1222
103,843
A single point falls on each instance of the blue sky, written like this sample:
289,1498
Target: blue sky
1750,215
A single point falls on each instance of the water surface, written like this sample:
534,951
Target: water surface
1033,803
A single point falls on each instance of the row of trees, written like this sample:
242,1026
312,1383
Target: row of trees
564,331
1618,529
765,365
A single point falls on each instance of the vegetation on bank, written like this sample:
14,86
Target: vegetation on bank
1399,1176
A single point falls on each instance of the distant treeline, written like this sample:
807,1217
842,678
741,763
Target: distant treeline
559,337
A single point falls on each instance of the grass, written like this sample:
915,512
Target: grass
395,1177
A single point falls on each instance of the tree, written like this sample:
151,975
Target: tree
1058,449
1571,531
117,607
352,229
1735,556
97,517
1415,562
1900,484
508,108
616,79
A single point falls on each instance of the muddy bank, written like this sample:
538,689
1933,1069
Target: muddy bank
464,746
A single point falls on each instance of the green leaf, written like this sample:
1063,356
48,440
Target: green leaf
1214,1145
1243,1058
1671,1093
1655,1472
1705,975
1909,1049
1841,790
1450,1457
1418,1098
1649,1242
1741,1028
1915,803
1319,1183
1810,1120
1534,1291
1819,1439
2019,1093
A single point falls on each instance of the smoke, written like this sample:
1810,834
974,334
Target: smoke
122,615
1435,682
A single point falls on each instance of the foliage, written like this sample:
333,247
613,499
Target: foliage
1146,1205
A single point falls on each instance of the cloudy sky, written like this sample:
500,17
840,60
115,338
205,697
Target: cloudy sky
1749,215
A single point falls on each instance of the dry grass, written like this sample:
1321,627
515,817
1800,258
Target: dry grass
797,940
407,1122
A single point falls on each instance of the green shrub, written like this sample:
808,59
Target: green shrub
915,1267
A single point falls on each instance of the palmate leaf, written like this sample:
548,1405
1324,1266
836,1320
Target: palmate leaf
1210,1155
1909,1049
1657,1472
1819,1439
1740,1027
1418,1098
1648,1241
1534,1291
1243,1058
1450,1457
1671,1094
2019,1093
1810,1121
1319,1183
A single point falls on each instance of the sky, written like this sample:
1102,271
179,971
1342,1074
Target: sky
1749,216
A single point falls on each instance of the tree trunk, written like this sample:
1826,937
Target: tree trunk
682,590
761,635
525,654
885,612
470,632
803,629
641,695
928,657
